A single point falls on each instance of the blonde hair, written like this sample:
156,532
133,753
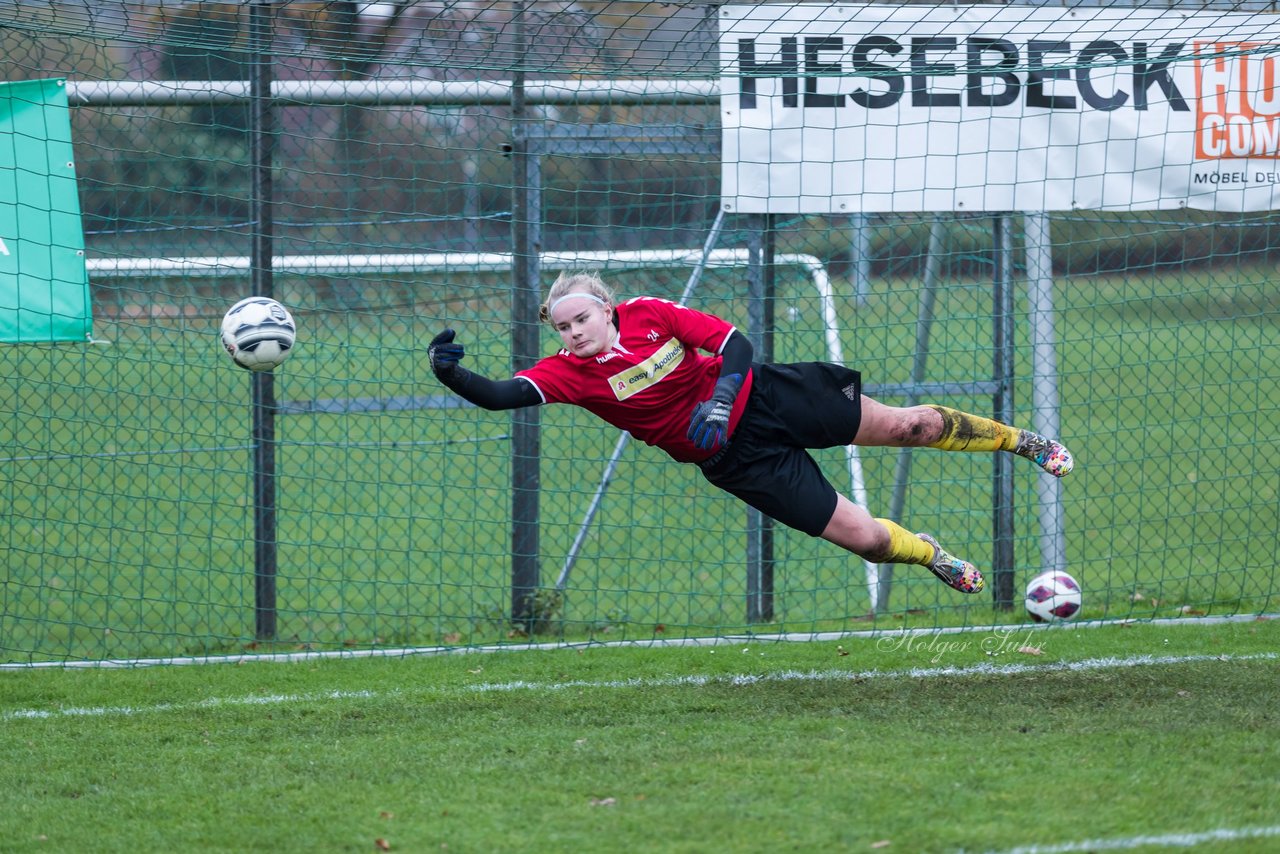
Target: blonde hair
573,283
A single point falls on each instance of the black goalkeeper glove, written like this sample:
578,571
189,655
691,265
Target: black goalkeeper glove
444,354
709,424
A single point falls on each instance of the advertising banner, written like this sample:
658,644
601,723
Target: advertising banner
44,289
855,108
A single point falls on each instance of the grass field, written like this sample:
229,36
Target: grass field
1114,738
126,474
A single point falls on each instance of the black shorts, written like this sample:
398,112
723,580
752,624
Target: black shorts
792,407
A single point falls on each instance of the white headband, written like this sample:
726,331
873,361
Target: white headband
551,308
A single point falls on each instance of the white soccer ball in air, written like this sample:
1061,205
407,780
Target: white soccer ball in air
258,333
1053,596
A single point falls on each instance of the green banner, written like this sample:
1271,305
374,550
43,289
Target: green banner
44,289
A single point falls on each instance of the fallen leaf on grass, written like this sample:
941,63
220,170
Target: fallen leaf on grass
1192,612
382,844
603,802
883,843
386,815
1030,650
452,637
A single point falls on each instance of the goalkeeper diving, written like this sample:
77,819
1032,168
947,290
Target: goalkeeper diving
684,381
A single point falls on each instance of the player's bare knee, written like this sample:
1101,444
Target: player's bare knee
872,543
917,427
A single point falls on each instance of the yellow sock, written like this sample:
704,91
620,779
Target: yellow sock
964,432
906,547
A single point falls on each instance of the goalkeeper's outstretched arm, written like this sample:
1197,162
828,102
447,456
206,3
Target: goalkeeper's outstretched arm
445,353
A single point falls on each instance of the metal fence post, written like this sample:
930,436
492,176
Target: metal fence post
1045,403
1002,559
761,291
525,422
262,150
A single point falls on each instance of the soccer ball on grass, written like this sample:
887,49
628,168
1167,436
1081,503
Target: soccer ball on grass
1053,596
258,333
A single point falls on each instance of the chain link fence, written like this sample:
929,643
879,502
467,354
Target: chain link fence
397,184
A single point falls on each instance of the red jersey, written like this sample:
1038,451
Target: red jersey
651,379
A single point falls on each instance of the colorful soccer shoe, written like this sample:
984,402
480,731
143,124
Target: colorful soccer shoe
952,571
1046,453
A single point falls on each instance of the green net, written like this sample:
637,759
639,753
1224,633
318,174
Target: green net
128,463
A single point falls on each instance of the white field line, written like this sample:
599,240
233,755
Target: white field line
1164,840
211,703
983,669
670,682
648,643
